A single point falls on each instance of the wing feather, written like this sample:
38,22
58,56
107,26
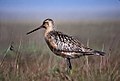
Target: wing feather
66,43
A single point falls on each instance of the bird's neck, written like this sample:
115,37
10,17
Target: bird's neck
49,29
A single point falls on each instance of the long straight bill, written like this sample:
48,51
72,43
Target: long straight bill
33,30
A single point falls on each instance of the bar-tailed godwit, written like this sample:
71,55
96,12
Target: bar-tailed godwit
64,45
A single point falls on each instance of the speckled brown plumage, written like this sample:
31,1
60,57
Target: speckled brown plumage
64,45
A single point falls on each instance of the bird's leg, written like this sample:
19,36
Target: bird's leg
69,66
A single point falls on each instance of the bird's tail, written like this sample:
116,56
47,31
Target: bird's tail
95,52
90,51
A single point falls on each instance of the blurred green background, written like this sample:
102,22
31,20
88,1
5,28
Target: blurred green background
93,21
97,21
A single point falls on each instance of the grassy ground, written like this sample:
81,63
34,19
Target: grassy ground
31,59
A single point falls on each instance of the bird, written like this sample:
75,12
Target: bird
64,45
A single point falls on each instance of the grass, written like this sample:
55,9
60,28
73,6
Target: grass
33,61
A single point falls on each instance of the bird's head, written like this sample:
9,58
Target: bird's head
48,24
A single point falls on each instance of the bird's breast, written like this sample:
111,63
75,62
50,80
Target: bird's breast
50,42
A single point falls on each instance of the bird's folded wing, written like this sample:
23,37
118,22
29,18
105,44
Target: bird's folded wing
66,43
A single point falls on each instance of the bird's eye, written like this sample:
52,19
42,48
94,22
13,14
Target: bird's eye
47,23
